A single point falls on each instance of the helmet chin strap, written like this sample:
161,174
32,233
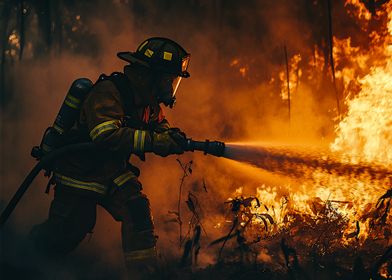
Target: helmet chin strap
167,101
172,102
164,95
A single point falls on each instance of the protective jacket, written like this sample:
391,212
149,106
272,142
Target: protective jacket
109,118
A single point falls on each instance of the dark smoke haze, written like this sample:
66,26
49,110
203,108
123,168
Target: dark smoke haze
218,102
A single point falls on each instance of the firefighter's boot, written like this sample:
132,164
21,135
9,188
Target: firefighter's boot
141,264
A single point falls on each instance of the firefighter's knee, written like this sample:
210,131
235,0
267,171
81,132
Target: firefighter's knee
138,227
139,211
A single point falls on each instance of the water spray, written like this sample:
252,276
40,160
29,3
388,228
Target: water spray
302,164
289,161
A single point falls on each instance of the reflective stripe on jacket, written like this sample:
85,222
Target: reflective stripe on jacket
94,186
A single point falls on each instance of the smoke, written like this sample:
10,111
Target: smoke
222,100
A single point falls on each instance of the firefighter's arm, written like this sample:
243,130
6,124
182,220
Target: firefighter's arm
103,110
161,125
103,113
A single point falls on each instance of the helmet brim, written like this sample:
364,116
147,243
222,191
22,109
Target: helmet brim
132,58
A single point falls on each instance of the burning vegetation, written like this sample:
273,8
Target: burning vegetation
326,212
338,221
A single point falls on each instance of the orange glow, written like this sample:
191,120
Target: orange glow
358,9
364,135
242,68
295,73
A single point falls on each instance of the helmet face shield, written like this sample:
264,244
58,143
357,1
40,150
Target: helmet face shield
167,86
184,66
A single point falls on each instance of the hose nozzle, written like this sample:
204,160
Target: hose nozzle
215,148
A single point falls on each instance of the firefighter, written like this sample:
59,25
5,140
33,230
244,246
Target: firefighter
122,114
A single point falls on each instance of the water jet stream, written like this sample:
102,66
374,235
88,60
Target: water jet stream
297,163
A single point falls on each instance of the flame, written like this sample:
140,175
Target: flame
13,39
295,73
13,44
315,64
242,68
234,62
346,208
365,132
243,71
357,9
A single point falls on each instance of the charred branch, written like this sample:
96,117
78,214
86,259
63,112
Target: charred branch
331,59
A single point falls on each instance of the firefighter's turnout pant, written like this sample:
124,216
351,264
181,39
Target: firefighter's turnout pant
72,216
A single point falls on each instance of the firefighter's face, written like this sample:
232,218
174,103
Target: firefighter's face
167,85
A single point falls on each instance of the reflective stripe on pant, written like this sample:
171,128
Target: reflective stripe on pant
140,255
119,181
72,215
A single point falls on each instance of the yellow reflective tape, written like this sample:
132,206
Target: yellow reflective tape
103,127
140,254
83,187
102,130
91,186
167,55
148,53
58,128
142,45
135,140
138,141
120,180
72,180
97,127
143,140
73,98
70,104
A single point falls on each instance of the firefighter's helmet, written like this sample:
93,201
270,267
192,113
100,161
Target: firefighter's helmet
161,54
168,59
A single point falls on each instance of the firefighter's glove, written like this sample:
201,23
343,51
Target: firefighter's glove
161,127
164,144
179,137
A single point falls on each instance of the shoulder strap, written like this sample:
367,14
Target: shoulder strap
123,86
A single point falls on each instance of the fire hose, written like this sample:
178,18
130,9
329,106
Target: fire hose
214,148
